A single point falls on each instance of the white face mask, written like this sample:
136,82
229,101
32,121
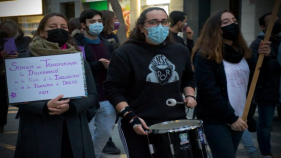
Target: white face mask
95,29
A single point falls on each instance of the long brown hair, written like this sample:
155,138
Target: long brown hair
11,27
107,19
210,40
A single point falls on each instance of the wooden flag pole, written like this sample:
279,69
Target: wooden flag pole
260,60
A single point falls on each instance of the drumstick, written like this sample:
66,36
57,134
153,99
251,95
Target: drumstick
173,102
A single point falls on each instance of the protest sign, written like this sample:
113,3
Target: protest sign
45,77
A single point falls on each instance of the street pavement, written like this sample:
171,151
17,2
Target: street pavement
9,137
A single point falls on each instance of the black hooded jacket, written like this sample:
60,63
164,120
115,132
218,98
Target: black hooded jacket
145,76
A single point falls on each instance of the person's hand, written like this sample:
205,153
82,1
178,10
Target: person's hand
239,125
6,55
189,33
57,107
264,48
190,102
105,62
138,128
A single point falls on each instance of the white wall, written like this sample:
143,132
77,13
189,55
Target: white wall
248,23
56,6
250,15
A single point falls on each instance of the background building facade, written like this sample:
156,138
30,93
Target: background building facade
198,11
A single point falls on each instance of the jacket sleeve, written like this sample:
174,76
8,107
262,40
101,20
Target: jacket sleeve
36,107
117,80
91,100
269,64
188,75
97,67
189,44
210,90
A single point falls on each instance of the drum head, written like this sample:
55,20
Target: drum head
175,126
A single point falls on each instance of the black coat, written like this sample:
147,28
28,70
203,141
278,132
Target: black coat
213,105
267,89
178,39
40,134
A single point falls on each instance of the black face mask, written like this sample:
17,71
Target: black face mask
276,28
231,32
59,36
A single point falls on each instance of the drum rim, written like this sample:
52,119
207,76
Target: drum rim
190,127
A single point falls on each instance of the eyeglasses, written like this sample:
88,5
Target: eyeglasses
155,22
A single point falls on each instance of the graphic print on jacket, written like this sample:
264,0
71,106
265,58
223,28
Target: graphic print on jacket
163,71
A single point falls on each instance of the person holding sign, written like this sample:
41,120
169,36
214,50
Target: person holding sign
222,72
267,89
56,128
11,36
143,73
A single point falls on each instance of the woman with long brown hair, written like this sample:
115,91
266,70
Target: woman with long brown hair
222,71
57,127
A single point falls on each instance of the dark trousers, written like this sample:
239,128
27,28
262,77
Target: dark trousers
266,115
3,106
135,145
223,141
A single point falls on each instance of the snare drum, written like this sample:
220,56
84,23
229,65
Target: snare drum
178,139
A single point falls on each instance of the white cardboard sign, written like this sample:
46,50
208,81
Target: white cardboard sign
45,77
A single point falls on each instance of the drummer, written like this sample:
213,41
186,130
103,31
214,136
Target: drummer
146,71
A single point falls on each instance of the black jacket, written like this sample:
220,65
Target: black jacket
213,105
178,39
79,39
267,89
112,40
97,66
42,135
98,69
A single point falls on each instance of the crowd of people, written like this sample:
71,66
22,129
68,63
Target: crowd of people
129,83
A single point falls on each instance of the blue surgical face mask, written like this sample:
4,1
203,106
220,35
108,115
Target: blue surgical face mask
157,34
95,29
